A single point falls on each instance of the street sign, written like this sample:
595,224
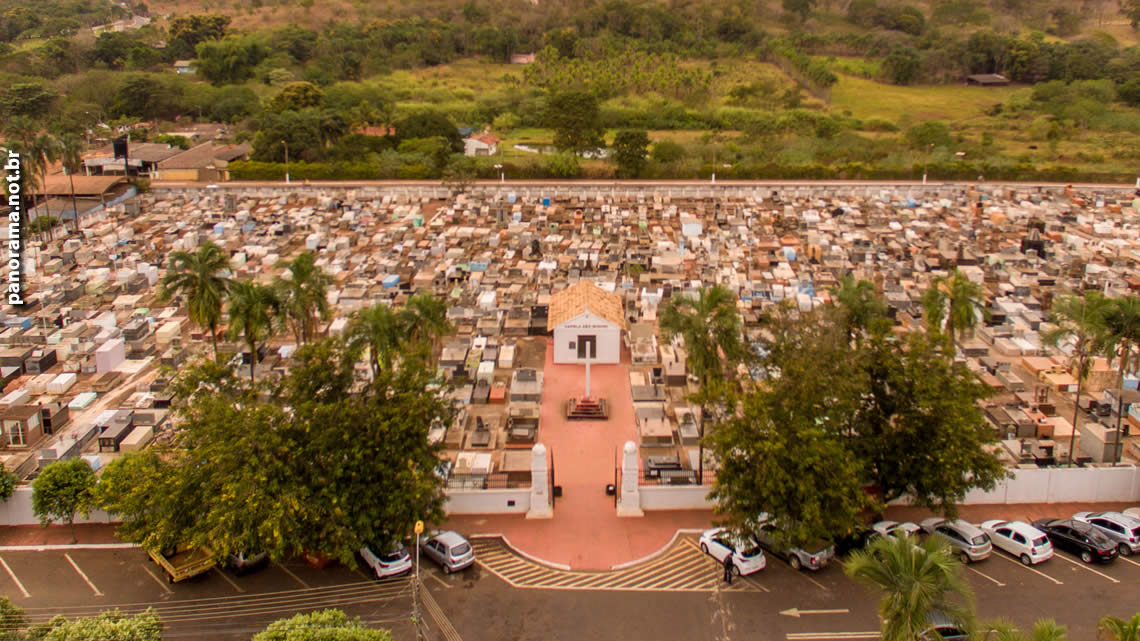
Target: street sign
419,527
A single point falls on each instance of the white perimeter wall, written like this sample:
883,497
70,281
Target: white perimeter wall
674,497
17,510
487,501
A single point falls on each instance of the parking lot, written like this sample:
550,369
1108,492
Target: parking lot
218,604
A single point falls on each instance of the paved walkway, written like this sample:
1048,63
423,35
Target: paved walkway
57,534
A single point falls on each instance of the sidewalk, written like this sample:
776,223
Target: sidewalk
57,534
1027,512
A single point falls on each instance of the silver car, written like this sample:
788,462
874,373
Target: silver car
966,538
1123,529
451,551
768,536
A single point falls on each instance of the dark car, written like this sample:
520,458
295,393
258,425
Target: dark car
244,563
1078,538
856,539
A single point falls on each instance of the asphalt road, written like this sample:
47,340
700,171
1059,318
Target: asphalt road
507,598
648,184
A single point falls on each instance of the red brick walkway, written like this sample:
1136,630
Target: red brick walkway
57,534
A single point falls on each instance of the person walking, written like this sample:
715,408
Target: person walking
729,569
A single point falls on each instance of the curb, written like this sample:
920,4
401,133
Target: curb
74,546
530,557
659,552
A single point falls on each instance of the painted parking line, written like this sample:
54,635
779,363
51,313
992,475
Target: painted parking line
1026,567
819,636
82,575
222,574
162,584
1127,560
295,577
986,576
14,578
1085,567
438,580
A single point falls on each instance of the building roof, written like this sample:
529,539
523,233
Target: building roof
989,79
183,63
205,154
487,139
151,152
584,297
59,185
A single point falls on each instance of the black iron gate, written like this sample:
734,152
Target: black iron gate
555,491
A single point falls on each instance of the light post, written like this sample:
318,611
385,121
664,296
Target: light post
416,588
286,161
926,165
502,174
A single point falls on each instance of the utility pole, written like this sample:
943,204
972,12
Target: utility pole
416,585
287,182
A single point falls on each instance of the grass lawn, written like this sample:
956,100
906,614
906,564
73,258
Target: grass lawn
868,99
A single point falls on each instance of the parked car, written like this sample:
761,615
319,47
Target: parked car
856,539
946,628
393,563
1134,512
895,529
1080,538
451,551
1020,539
747,557
244,563
767,532
1123,529
971,543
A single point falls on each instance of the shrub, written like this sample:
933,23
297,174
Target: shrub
667,151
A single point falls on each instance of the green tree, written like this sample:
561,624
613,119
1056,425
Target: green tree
1129,92
1043,630
433,152
297,96
714,340
1080,320
800,8
426,319
252,311
202,280
8,483
576,120
916,579
923,136
862,307
62,490
230,60
429,124
145,490
1122,338
902,66
1113,629
667,151
113,624
378,330
956,300
303,296
324,625
71,157
27,99
194,28
12,618
631,148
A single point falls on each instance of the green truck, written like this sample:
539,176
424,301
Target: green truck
184,561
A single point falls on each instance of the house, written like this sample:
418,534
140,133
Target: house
522,58
207,162
987,80
587,322
22,425
184,66
142,159
485,144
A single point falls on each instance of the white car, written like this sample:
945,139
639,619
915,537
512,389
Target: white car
1020,539
1134,512
394,563
896,529
747,557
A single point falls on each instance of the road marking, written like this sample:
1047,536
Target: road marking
810,636
441,581
753,582
1033,570
229,580
81,574
796,612
360,574
1129,561
13,575
441,621
1083,566
162,584
295,577
986,576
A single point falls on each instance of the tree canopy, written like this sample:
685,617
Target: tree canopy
62,490
324,625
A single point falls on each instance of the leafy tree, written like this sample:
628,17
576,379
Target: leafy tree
1079,319
429,124
426,317
667,151
26,99
113,624
71,157
12,618
433,152
1043,630
301,130
576,120
902,66
1122,338
144,488
932,133
230,60
862,307
303,296
194,28
252,308
957,300
563,165
62,490
324,625
800,8
631,148
1114,629
916,578
1129,92
297,96
8,483
149,96
379,330
202,280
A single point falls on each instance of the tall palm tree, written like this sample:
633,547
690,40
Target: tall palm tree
304,295
917,578
252,307
202,279
1043,630
1081,320
1122,326
1114,629
382,331
955,300
860,304
714,340
426,319
71,156
43,152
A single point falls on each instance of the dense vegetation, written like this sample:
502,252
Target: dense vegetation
808,88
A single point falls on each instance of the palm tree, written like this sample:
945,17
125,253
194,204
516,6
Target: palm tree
860,304
71,156
42,153
1080,319
201,279
380,329
1043,630
426,318
1122,324
711,328
1114,629
304,295
917,579
956,300
252,307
